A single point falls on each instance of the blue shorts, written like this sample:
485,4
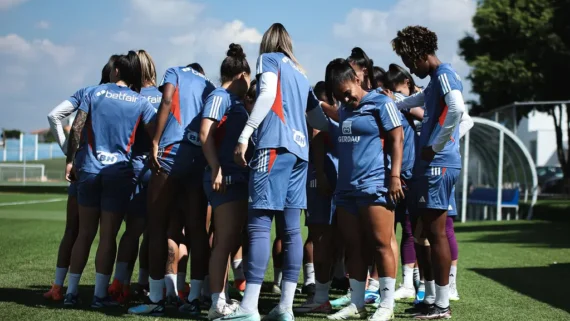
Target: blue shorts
452,209
236,189
434,189
109,193
277,180
351,201
72,189
138,202
183,160
320,209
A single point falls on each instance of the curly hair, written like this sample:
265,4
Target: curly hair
415,42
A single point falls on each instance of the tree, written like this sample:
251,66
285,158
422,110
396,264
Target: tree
521,52
11,133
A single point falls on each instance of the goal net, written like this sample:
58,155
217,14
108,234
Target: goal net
21,173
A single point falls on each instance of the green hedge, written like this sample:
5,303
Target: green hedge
549,210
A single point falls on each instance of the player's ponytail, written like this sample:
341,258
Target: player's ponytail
234,64
360,58
338,71
129,68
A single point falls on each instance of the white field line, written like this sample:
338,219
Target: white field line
51,200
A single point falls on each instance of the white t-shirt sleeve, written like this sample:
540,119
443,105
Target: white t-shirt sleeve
61,111
263,104
455,109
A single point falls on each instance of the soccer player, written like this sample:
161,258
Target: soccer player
177,163
61,111
379,76
108,117
364,202
278,168
136,215
225,183
439,162
320,213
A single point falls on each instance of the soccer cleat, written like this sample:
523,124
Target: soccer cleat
71,300
241,315
115,289
173,301
419,308
275,289
341,302
149,308
141,291
453,294
205,302
217,312
310,306
106,302
421,294
372,298
55,293
125,296
403,293
382,314
239,285
278,314
192,308
309,289
351,312
434,313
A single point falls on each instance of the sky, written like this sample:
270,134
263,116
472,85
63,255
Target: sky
49,49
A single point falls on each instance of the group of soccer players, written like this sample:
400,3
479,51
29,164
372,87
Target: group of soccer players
201,170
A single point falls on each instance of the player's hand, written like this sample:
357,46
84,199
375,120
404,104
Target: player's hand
389,93
428,154
70,172
395,192
239,154
153,161
323,185
218,184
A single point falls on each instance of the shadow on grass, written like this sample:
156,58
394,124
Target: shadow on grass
538,234
545,284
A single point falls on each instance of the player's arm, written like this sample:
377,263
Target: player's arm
315,114
417,113
415,100
61,111
392,125
214,109
465,124
455,109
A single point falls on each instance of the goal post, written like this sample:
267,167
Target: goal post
21,173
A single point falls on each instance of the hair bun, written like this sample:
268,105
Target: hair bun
357,52
236,51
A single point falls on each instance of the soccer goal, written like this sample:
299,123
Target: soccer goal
21,173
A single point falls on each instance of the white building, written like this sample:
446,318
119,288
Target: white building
537,133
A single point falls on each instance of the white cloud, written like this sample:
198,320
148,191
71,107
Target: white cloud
43,24
7,4
22,49
373,30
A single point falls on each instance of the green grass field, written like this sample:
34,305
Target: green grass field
507,271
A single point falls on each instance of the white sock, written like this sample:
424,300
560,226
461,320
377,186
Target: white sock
156,288
101,285
322,292
387,286
373,285
195,290
288,290
277,276
416,275
206,287
73,283
218,299
237,268
181,281
309,273
251,297
452,274
442,296
357,294
339,271
408,276
121,271
143,276
60,274
170,284
430,292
